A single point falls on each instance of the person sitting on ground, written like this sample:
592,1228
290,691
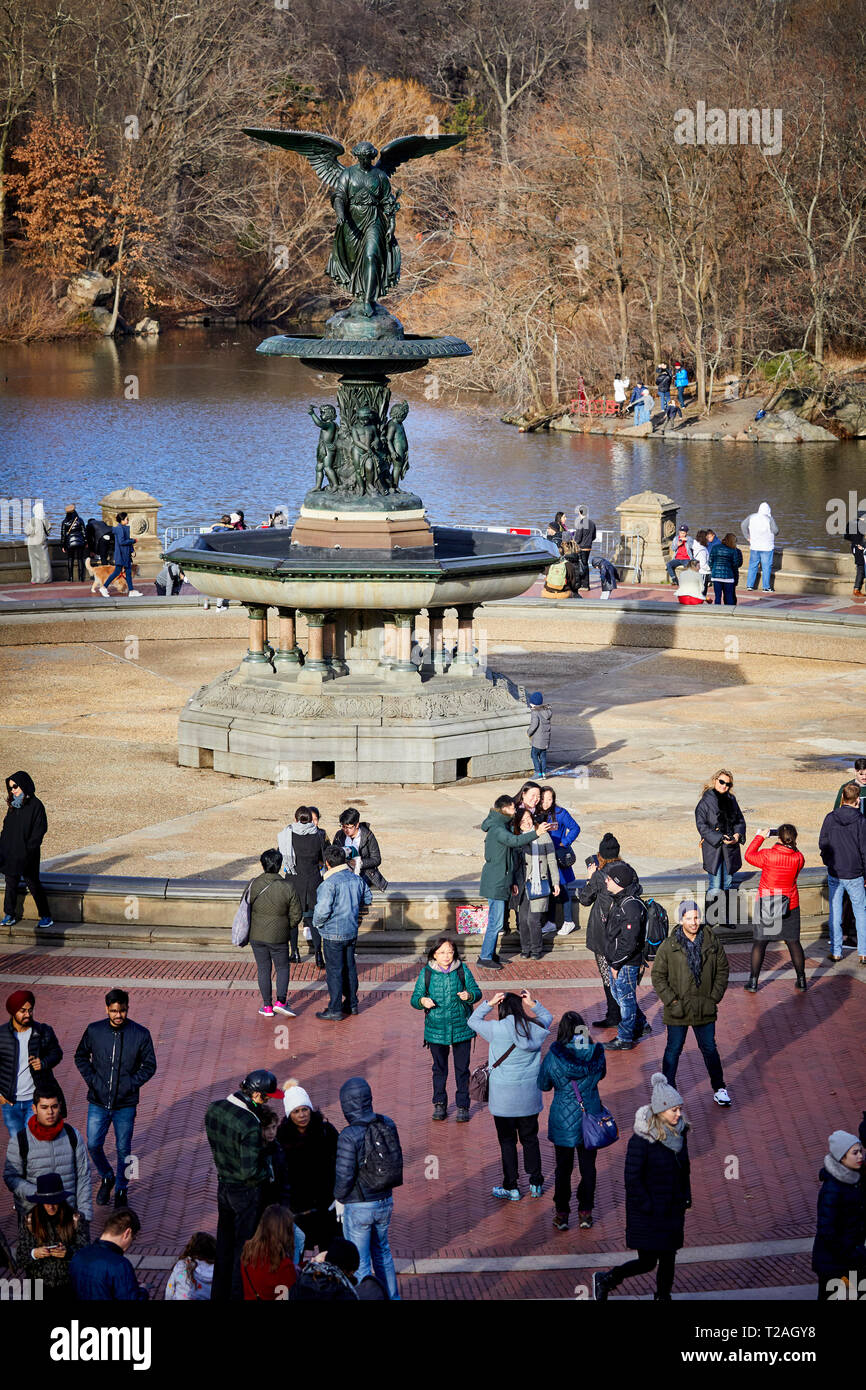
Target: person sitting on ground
562,579
191,1280
101,1272
170,579
267,1260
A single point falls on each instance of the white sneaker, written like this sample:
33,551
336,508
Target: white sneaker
104,591
222,608
721,1096
566,929
134,593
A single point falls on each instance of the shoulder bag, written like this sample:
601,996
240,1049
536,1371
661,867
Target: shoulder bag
479,1077
598,1130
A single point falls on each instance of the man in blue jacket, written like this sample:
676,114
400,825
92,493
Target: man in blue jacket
339,900
101,1271
369,1166
124,547
116,1058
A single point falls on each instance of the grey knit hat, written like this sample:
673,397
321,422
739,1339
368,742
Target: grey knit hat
840,1142
687,905
664,1096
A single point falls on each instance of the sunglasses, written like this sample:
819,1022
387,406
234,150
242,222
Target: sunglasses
722,783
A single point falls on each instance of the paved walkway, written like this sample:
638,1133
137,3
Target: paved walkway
794,1065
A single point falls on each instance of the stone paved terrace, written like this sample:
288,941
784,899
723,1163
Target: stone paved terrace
794,1065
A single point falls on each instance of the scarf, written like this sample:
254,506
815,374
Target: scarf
45,1133
535,870
18,800
839,1171
673,1138
727,815
693,950
285,846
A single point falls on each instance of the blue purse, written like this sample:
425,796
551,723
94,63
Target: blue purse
598,1130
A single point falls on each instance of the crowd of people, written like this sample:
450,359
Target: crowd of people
304,1210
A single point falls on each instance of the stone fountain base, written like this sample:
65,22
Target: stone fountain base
358,730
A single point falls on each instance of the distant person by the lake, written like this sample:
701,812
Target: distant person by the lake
608,575
237,521
664,382
760,531
170,577
856,538
225,523
37,531
73,542
99,540
124,548
620,386
562,579
725,563
672,411
681,381
584,535
557,530
702,555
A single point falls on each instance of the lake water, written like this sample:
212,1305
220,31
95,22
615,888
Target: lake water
216,427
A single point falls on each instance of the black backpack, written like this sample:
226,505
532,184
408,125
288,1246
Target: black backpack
657,928
24,1145
381,1166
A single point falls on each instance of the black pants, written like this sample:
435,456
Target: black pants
439,1053
531,916
613,1009
30,875
237,1218
341,975
525,1128
319,1228
562,1179
647,1260
859,568
73,555
278,958
581,560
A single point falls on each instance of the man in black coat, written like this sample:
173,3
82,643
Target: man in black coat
584,535
594,895
73,542
116,1058
624,939
28,1053
842,845
361,847
24,829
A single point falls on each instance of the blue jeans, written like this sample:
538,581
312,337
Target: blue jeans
495,920
764,559
664,397
705,1034
720,878
623,987
341,974
16,1114
837,888
98,1123
681,396
366,1224
673,565
539,761
125,570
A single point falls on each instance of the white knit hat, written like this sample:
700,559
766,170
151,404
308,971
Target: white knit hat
294,1096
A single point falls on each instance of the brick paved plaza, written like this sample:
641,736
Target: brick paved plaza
793,1064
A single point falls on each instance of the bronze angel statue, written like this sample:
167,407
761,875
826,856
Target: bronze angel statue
365,257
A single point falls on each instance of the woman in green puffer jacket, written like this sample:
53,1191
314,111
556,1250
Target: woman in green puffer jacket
447,993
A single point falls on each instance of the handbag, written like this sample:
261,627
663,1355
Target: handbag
243,916
770,909
598,1130
565,856
479,1077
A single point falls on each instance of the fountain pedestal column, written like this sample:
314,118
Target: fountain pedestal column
287,658
465,663
315,669
403,670
255,657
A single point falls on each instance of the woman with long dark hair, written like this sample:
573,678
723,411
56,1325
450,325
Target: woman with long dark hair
777,906
515,1101
572,1064
537,879
48,1238
564,831
722,828
447,992
302,845
267,1267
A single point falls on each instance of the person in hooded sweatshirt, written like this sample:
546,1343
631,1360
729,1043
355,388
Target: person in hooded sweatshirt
515,1040
657,1192
760,531
839,1250
24,828
364,1195
302,845
573,1064
842,845
538,732
191,1279
593,894
37,531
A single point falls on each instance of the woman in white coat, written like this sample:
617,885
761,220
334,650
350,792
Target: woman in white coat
37,531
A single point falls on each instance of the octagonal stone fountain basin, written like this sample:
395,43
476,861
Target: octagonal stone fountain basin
263,567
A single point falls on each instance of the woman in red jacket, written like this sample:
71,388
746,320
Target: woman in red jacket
780,920
267,1267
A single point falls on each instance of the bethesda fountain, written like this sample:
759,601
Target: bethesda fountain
347,690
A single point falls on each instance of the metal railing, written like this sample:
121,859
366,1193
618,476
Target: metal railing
173,533
623,548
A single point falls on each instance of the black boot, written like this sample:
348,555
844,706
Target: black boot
320,959
751,984
800,982
293,946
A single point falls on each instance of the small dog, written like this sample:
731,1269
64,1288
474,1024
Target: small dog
99,574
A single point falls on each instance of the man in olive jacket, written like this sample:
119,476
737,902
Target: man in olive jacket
690,976
497,876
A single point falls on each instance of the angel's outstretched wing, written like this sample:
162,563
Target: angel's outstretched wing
320,150
413,147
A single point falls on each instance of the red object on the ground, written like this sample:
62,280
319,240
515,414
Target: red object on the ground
688,598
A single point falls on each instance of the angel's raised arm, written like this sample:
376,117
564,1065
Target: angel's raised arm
320,151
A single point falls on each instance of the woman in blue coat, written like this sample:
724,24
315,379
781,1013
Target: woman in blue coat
574,1059
564,831
124,545
515,1039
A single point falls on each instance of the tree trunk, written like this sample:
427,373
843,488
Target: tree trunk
742,293
4,140
503,160
116,306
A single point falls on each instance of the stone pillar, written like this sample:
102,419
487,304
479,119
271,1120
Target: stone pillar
403,670
334,644
256,652
362,649
465,663
287,658
143,526
315,668
389,640
439,659
654,517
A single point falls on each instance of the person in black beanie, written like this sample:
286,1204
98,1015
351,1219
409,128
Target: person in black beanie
594,895
624,940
